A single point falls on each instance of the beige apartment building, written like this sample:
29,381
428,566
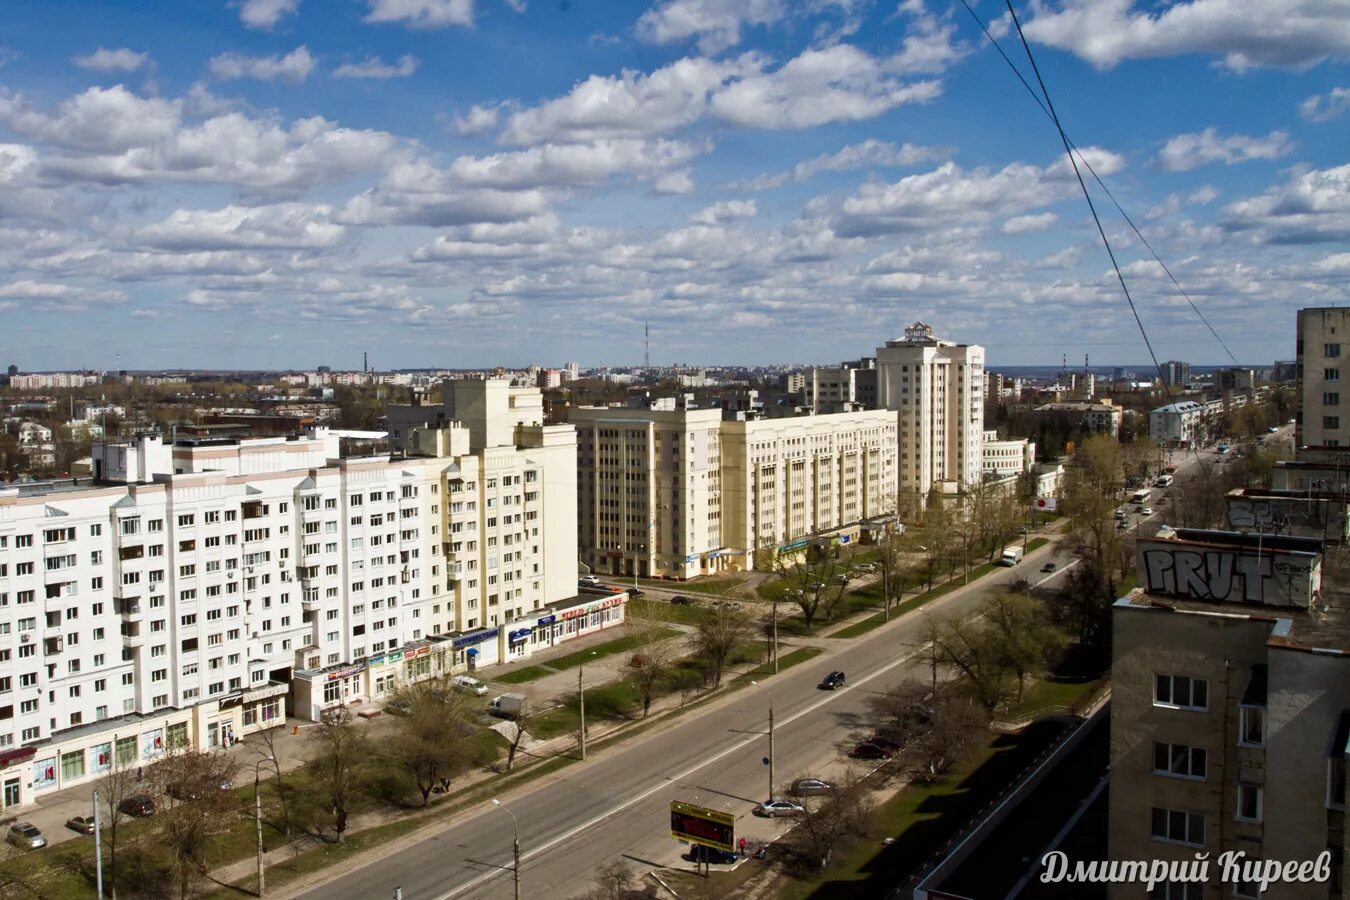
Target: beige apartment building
1230,710
1320,421
667,491
936,388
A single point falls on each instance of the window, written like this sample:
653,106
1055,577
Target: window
1179,760
331,692
1252,726
1248,803
1331,421
1331,350
1178,826
1181,692
1331,374
1331,399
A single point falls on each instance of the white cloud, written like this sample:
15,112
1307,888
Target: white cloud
52,293
1313,206
870,153
479,120
293,68
1326,107
928,47
421,13
108,119
716,23
1188,151
1293,34
564,165
726,211
374,67
119,60
264,14
818,87
1027,224
681,182
632,104
280,226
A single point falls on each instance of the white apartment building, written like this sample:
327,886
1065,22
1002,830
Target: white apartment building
670,492
1319,421
195,591
829,389
1010,457
48,380
936,388
1179,423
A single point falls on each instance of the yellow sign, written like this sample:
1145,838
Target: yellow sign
699,825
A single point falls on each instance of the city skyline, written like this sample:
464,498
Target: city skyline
277,184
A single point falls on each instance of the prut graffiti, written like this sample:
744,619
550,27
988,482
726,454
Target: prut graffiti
1231,576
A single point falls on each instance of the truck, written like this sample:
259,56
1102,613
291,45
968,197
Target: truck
1011,556
507,706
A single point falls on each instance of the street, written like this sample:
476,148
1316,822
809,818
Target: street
617,803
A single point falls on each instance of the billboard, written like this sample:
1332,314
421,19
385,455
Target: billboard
698,825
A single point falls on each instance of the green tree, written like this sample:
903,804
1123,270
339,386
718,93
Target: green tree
1023,633
340,751
433,739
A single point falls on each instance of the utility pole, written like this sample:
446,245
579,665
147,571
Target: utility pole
771,760
98,847
257,818
581,696
515,844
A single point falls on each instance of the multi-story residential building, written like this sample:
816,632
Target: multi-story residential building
1177,424
194,592
1007,457
1319,421
668,491
1230,709
1176,373
1102,417
845,387
936,389
1235,379
48,380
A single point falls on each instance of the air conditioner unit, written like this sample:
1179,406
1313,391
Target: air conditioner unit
25,638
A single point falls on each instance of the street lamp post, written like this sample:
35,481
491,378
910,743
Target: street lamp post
771,779
257,817
515,844
581,698
98,846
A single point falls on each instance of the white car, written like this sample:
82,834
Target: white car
469,685
776,807
1146,511
588,581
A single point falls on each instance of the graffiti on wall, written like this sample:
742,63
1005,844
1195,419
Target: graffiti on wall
1230,575
1279,515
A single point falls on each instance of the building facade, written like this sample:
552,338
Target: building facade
1009,457
1177,424
936,389
1176,373
668,491
1319,421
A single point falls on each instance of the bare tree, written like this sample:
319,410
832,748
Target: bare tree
195,787
718,634
615,880
266,751
957,722
1022,633
808,583
114,786
432,740
340,752
650,664
830,819
974,652
518,735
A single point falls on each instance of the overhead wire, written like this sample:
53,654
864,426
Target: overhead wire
1096,177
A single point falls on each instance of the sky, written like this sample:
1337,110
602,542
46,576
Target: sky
466,183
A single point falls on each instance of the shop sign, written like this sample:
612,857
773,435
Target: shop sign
477,637
547,620
520,635
346,672
413,654
589,608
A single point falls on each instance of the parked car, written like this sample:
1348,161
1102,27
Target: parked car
1122,525
1049,567
869,750
700,853
682,600
469,685
1146,511
82,824
816,586
811,787
137,807
778,807
635,593
831,681
865,567
25,836
588,581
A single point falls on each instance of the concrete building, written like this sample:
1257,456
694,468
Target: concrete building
1176,373
194,592
936,389
833,390
1177,424
1008,457
1230,709
1319,421
49,380
1101,417
669,491
1235,379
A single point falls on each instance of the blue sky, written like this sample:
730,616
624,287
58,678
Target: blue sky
289,183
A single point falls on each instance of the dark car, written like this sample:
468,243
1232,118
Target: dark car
1048,567
137,807
832,681
869,750
682,600
700,853
635,593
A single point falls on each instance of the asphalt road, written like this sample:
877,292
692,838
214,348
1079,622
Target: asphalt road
617,803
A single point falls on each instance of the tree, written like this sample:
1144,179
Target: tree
114,786
807,583
194,786
1025,637
517,734
955,725
432,740
717,635
974,652
340,751
615,880
266,751
936,534
891,562
649,666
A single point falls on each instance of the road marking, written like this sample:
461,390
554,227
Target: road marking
680,776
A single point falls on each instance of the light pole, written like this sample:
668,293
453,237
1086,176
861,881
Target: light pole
515,844
98,846
771,780
257,816
581,697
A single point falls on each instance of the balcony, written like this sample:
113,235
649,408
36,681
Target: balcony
132,638
53,645
309,605
127,606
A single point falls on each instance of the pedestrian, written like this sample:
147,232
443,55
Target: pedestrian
140,773
742,845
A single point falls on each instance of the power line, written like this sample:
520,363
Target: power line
1100,183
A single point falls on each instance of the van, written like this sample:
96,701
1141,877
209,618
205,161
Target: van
1011,556
469,685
